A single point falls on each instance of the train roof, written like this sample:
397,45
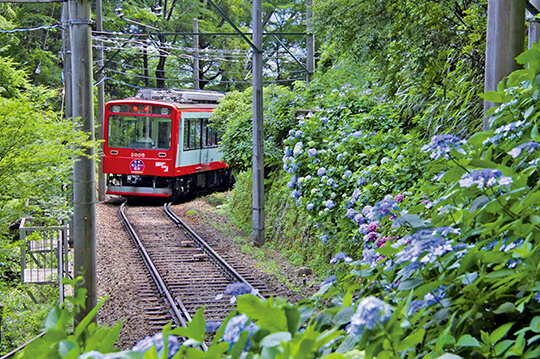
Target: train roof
180,97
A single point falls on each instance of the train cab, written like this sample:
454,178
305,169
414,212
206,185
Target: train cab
160,144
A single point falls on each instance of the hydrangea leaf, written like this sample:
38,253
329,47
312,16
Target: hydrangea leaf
479,203
275,339
503,346
344,315
507,307
468,341
195,328
412,340
500,332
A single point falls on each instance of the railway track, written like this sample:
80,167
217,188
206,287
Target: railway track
188,271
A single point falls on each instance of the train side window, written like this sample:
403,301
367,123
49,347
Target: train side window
186,134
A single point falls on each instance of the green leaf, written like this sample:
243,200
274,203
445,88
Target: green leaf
275,339
410,283
468,341
415,338
293,318
449,356
411,220
344,315
507,307
479,203
535,324
195,328
503,346
500,332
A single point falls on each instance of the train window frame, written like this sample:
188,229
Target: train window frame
198,122
138,126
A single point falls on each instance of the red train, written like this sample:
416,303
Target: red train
159,144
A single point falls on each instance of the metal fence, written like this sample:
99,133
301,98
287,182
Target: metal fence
44,254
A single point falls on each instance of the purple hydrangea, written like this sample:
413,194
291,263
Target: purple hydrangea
441,145
370,237
484,177
384,207
371,312
341,256
312,152
321,171
358,218
531,146
329,204
157,341
399,197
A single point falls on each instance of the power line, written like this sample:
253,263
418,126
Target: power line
42,27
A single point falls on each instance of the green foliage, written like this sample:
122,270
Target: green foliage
233,119
428,57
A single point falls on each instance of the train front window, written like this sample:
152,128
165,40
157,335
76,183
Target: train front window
139,132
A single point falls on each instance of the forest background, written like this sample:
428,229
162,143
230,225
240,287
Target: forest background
390,75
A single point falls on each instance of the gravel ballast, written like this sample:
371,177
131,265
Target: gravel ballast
118,264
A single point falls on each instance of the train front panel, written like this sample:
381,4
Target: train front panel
140,147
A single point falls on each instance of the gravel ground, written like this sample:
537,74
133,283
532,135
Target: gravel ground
117,262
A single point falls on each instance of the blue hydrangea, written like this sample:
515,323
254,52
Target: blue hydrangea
310,206
321,171
301,123
356,194
328,280
370,257
312,152
359,219
291,132
347,174
296,194
363,229
531,146
435,296
424,246
292,182
441,145
439,176
485,177
324,238
384,207
212,326
415,306
341,256
287,152
371,312
509,131
235,289
340,156
351,213
357,134
329,204
298,133
298,149
235,326
330,182
324,119
361,181
157,341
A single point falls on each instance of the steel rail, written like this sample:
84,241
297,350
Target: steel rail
217,259
177,314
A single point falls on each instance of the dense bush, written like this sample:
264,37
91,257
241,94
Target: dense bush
233,120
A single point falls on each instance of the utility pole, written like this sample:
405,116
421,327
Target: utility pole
196,82
310,42
101,100
66,50
505,38
534,25
84,202
258,137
